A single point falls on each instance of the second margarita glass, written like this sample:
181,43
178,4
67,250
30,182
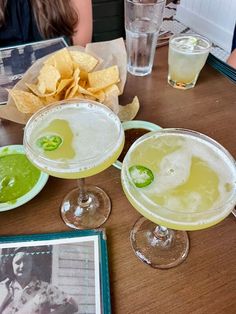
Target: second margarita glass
179,180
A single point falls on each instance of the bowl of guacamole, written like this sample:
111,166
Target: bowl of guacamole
20,180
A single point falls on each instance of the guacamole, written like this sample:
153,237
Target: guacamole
17,176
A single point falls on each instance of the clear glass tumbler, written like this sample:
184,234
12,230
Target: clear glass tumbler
142,24
187,55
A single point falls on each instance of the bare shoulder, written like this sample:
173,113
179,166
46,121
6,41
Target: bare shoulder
84,28
232,59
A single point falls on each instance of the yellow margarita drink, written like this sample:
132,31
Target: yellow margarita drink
180,179
187,56
74,140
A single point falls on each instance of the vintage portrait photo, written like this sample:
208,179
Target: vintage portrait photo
59,275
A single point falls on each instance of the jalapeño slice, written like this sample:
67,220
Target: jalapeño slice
141,176
49,142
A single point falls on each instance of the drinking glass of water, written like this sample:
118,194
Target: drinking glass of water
143,20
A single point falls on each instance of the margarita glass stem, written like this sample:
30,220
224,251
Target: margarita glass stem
83,196
163,236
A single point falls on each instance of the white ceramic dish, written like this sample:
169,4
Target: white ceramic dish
19,149
137,124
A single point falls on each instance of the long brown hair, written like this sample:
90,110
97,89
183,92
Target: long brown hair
53,17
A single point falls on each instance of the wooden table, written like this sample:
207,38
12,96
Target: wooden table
206,281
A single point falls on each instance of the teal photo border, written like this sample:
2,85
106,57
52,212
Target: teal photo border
103,255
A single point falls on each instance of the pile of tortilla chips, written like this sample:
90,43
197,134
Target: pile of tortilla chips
70,74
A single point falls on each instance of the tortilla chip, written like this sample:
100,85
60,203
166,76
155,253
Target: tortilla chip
129,111
62,61
83,75
89,97
111,97
85,61
82,83
78,95
34,89
48,79
26,102
41,87
112,90
101,79
64,84
49,100
100,96
70,92
84,91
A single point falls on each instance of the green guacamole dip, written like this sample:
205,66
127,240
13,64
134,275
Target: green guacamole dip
17,176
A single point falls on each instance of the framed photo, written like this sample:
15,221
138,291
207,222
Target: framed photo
60,271
15,61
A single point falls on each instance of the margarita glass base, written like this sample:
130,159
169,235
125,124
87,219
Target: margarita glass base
158,246
86,207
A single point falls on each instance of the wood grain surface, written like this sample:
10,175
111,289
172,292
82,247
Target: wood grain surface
206,281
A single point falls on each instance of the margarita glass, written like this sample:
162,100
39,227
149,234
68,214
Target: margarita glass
179,180
73,140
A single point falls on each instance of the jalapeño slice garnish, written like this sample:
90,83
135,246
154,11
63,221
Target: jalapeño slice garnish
49,142
141,176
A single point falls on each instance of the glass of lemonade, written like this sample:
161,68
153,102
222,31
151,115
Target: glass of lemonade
73,140
187,56
179,180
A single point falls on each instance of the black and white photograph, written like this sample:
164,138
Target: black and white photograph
15,61
54,276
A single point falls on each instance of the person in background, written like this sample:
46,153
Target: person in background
232,58
23,293
23,21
